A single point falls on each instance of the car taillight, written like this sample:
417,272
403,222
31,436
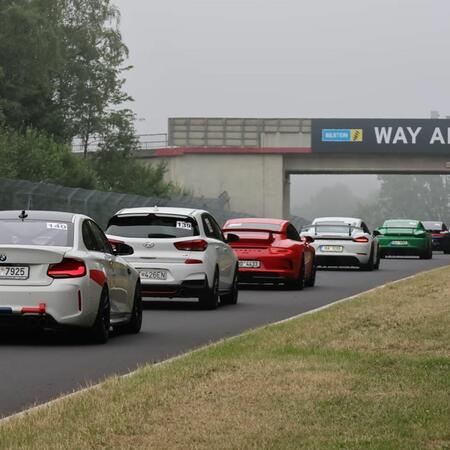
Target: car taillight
67,268
114,244
197,245
361,239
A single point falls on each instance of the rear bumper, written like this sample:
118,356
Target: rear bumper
409,251
440,244
59,304
327,260
264,276
31,321
185,289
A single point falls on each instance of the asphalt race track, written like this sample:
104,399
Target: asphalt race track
37,368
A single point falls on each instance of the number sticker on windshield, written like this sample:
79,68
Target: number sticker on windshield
57,226
184,225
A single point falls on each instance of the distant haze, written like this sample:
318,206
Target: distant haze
287,58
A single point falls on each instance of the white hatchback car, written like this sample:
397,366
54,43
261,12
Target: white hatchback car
58,269
343,241
178,252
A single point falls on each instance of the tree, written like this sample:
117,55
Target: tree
409,197
91,85
61,65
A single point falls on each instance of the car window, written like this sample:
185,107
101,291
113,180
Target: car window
88,237
365,228
153,226
36,232
100,238
212,230
292,233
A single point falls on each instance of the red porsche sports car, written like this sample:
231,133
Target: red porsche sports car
272,251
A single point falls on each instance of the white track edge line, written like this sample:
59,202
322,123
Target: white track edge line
62,398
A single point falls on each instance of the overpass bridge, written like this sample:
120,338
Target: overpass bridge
250,161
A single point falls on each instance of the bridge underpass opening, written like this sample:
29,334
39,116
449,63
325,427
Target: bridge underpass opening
374,198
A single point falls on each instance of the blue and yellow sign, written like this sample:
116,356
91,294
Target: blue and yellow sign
342,135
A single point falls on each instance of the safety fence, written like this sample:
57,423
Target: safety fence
100,205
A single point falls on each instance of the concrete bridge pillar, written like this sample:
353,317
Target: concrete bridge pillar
255,183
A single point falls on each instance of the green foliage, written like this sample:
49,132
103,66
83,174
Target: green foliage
61,66
36,157
422,197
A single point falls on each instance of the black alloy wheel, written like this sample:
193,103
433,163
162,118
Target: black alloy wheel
99,332
135,323
210,298
232,297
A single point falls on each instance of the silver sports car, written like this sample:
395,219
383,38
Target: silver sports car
343,241
58,269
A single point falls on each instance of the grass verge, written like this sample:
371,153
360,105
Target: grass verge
372,373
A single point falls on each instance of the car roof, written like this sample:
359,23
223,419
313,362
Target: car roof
161,210
346,220
40,215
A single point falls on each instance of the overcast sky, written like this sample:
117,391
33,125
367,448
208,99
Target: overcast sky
286,58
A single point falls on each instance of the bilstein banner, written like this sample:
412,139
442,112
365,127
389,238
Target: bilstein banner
359,136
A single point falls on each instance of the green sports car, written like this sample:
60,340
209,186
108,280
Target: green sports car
403,237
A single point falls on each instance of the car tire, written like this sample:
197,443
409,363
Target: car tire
370,265
428,254
135,323
299,282
232,297
210,298
447,250
311,281
376,266
99,332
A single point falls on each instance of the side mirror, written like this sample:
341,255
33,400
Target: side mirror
376,233
308,239
121,249
231,237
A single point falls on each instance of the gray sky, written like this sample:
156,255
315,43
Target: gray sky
286,58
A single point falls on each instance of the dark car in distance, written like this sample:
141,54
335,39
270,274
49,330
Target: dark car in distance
440,235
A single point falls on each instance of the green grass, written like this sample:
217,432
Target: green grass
373,373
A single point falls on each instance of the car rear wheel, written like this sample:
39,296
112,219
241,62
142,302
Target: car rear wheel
135,323
311,281
376,266
99,332
370,265
428,254
299,282
210,298
232,297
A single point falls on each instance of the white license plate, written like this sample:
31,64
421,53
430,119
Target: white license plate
250,264
399,242
14,272
153,274
332,248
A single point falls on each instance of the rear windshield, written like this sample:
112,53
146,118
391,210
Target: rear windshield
434,226
254,226
153,226
36,232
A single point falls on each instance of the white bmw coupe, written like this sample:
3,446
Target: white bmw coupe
58,269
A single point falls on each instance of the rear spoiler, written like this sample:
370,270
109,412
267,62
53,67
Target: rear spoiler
324,224
251,230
